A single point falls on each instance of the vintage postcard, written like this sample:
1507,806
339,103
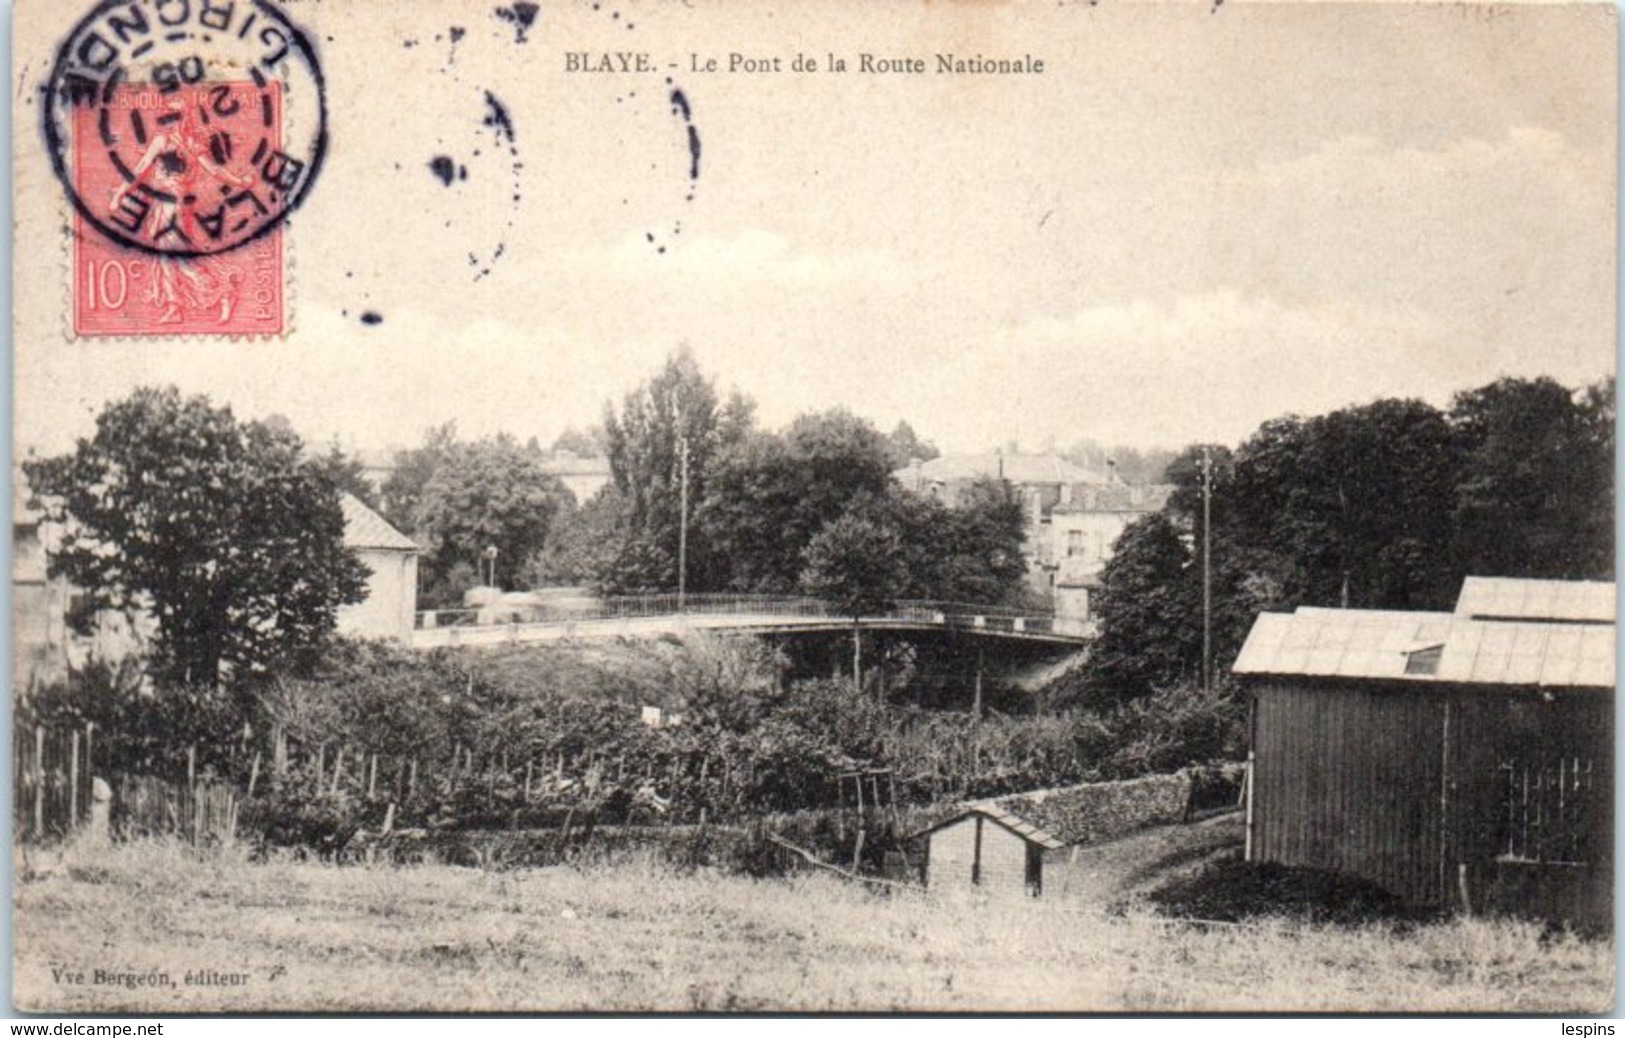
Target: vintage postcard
712,506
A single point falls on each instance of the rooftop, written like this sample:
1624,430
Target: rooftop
364,528
1510,598
1017,468
1428,647
1117,497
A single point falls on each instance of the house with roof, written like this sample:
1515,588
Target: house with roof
1080,535
1073,514
387,609
1460,759
1002,844
52,631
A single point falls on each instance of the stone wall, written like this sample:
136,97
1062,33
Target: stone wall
1103,810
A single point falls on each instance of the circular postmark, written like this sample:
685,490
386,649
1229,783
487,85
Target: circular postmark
185,127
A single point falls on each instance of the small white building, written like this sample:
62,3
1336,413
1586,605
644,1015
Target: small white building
391,558
988,847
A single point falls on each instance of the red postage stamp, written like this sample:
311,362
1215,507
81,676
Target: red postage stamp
152,163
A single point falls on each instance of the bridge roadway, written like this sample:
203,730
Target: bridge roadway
655,616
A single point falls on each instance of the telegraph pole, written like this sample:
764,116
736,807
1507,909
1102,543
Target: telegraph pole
682,525
1207,569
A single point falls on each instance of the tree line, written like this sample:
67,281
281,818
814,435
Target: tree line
1386,505
698,486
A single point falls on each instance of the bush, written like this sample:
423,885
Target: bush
1233,891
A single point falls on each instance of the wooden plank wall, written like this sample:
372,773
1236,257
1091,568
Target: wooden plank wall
1534,783
1352,777
1349,778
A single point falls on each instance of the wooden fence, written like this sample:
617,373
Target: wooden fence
54,772
51,781
198,812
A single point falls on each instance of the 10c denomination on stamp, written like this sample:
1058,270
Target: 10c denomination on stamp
184,134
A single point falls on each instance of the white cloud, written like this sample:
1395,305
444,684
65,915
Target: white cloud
1205,365
753,256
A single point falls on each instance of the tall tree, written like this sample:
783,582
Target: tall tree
583,542
768,495
217,528
661,442
990,531
905,446
583,443
1150,613
345,474
1537,488
855,563
1353,506
489,494
403,489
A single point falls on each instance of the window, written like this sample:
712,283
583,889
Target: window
1550,811
1074,543
1424,660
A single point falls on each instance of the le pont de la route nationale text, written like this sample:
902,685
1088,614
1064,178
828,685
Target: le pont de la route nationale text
863,63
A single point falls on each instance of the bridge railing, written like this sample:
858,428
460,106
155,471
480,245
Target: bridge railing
952,614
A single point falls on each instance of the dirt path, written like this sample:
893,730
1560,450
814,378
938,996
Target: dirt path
1107,873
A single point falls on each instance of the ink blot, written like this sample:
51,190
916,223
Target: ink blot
521,16
372,317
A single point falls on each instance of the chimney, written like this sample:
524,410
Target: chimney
1111,471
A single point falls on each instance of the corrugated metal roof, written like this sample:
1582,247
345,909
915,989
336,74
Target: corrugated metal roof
1428,647
364,528
1511,598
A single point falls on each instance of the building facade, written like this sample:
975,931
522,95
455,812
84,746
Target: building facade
1073,516
387,609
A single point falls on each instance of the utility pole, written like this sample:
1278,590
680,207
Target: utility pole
682,525
1207,569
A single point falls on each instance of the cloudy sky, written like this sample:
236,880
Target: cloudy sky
1192,221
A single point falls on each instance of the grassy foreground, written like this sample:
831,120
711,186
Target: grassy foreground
223,934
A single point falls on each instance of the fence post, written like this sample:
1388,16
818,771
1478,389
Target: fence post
338,768
253,774
191,769
73,781
90,764
372,775
39,781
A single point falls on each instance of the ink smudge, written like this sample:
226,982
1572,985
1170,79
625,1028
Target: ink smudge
521,16
442,167
372,317
496,117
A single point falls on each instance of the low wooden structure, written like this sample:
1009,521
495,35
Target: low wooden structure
1458,761
1002,843
989,847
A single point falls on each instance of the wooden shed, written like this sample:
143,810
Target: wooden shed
1456,760
989,847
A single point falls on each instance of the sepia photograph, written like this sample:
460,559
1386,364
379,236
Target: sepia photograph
722,507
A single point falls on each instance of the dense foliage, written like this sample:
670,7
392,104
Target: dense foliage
218,530
1387,505
453,738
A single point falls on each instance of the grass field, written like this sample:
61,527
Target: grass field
303,936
